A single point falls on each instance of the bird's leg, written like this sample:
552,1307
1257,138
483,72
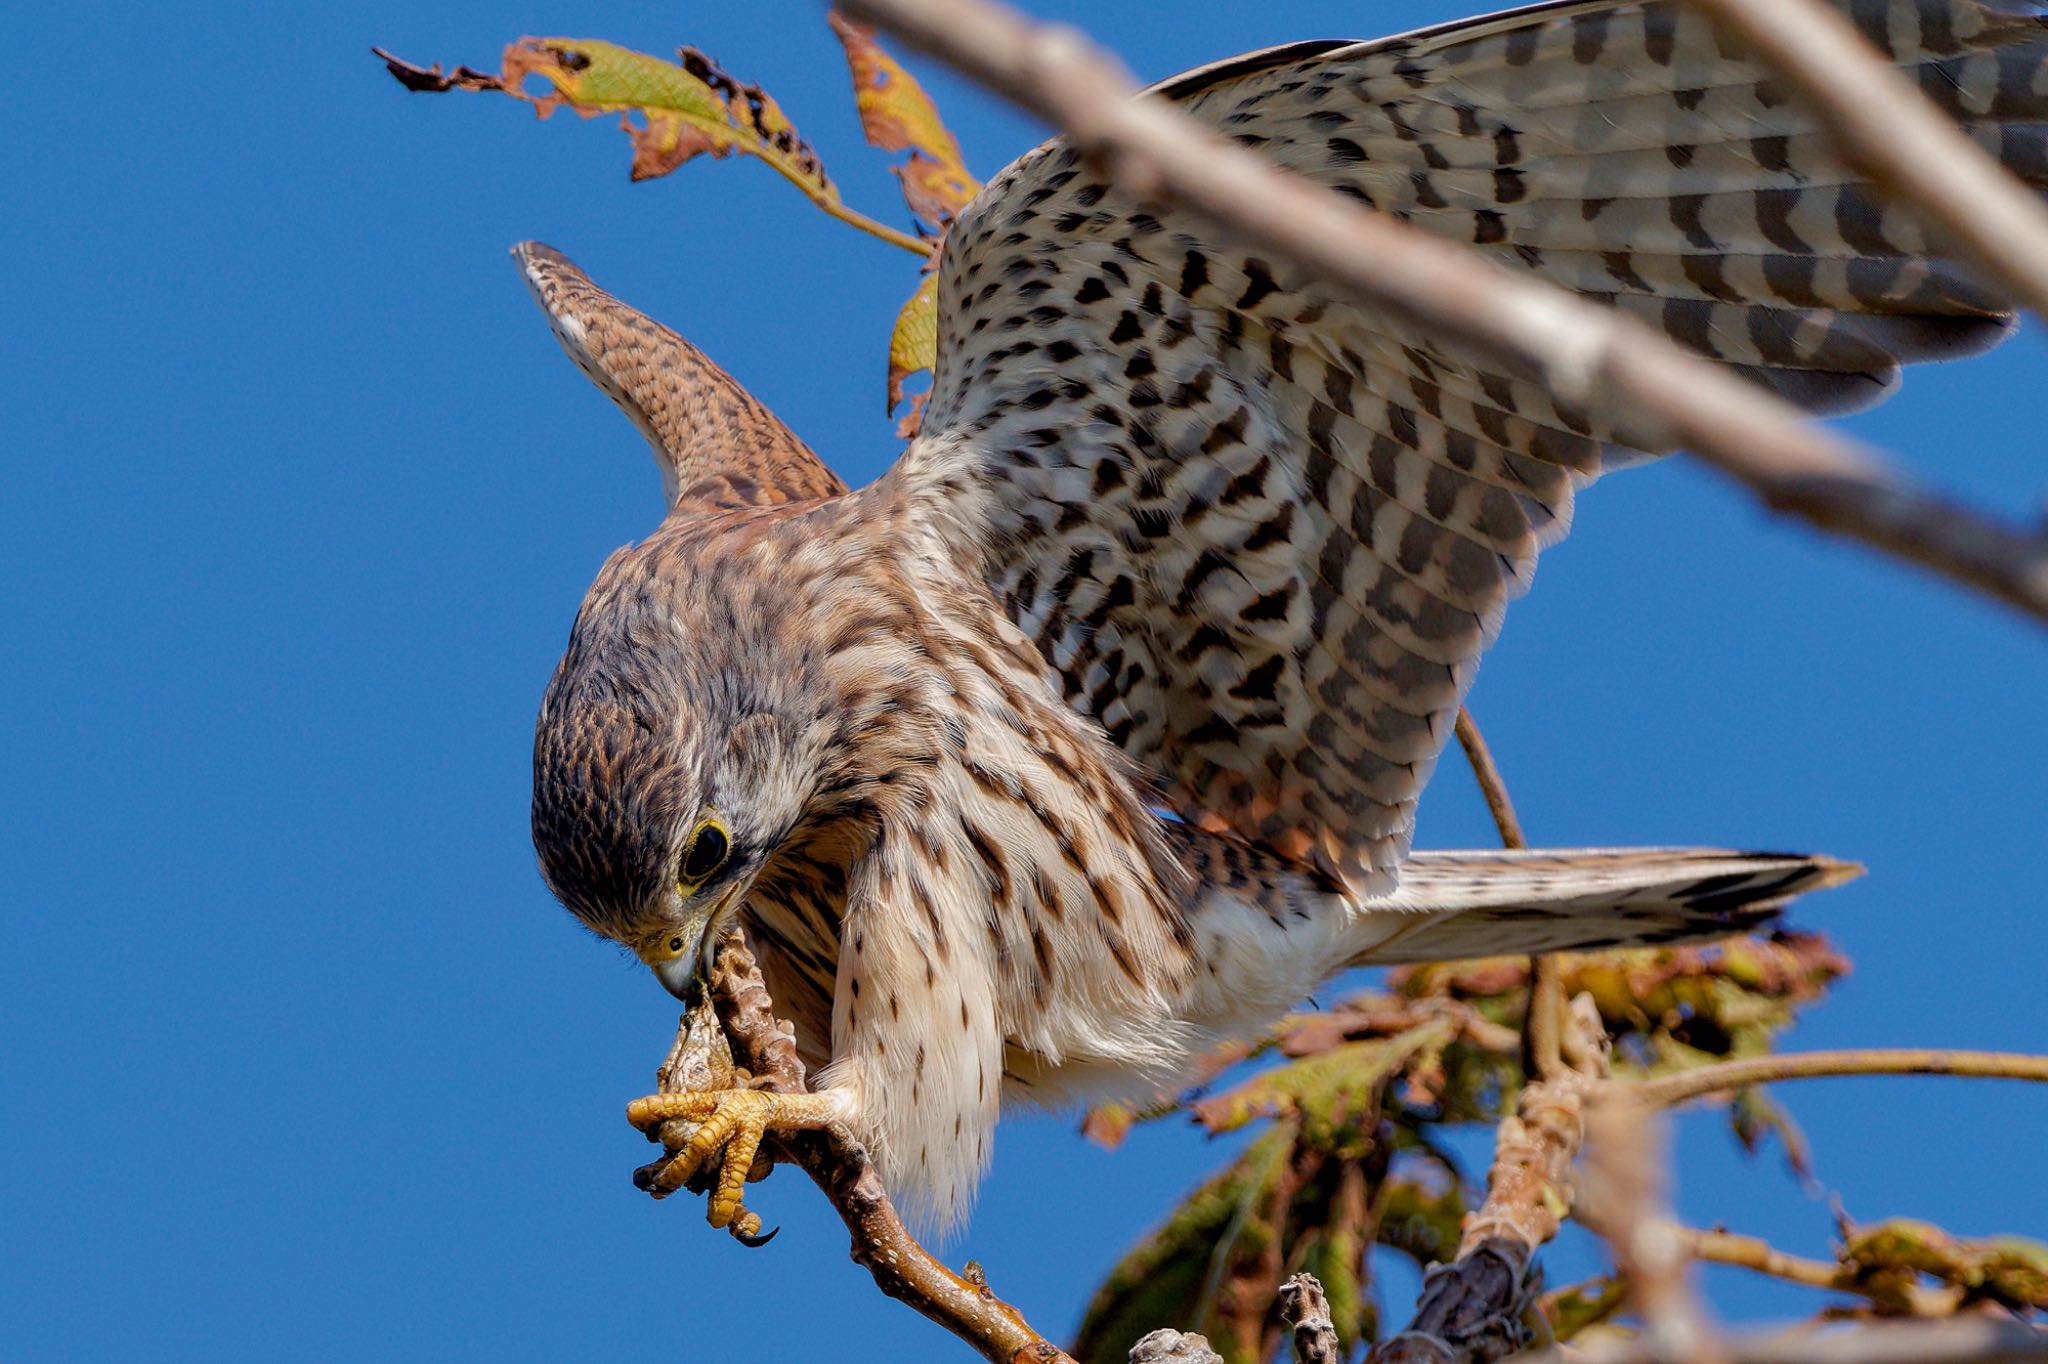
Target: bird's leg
731,1125
699,1062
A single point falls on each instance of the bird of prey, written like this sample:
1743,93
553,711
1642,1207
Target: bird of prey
1091,733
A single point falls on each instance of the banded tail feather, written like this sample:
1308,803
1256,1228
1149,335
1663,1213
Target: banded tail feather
1490,903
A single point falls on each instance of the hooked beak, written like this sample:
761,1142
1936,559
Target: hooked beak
685,974
680,978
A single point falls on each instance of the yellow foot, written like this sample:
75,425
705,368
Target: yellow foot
730,1126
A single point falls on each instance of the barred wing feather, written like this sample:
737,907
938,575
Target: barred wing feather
1264,536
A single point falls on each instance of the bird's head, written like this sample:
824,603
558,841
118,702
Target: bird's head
668,771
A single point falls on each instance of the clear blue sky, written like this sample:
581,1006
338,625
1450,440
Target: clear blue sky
297,1057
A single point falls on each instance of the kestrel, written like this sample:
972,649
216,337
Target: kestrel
1090,734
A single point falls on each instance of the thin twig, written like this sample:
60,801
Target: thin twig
1491,784
921,247
1750,1252
1543,1024
1666,1090
839,1164
1881,124
1590,356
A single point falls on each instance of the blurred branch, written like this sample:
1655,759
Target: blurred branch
1958,1340
1588,355
1622,1197
1886,129
839,1164
1691,1084
1750,1252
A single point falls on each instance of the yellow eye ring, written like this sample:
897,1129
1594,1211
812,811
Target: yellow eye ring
705,853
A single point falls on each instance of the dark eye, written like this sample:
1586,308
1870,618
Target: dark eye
706,853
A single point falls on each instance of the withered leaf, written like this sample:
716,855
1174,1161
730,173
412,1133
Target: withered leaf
1177,1272
914,346
685,108
671,110
2009,1271
429,79
898,115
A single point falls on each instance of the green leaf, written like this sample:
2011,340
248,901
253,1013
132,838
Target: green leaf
1170,1278
1336,1093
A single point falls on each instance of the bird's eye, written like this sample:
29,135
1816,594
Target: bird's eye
706,853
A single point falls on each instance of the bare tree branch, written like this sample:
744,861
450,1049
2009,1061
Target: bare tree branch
839,1164
1886,129
1750,1252
1676,1088
1491,784
1591,356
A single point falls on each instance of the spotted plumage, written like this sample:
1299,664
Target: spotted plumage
1091,734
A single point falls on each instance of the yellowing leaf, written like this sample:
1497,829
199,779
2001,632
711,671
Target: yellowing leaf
898,115
687,108
671,110
914,345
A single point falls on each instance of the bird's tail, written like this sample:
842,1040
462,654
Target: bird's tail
1472,904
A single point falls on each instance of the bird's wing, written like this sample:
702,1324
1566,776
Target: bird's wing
717,447
1263,535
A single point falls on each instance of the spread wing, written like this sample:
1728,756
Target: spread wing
1264,536
717,447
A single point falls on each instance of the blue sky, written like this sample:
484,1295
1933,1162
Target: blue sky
299,1055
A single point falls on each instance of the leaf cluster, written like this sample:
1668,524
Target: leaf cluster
1357,1098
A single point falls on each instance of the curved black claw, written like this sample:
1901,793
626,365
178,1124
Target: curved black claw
753,1242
